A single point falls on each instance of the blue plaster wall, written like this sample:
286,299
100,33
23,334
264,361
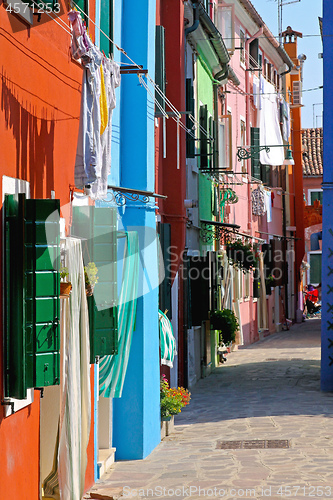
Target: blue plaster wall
136,415
327,250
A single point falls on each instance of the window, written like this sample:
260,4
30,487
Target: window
226,25
247,285
315,268
242,46
254,54
315,194
106,23
238,284
243,141
164,231
32,305
260,59
97,226
203,120
160,64
255,160
225,142
190,103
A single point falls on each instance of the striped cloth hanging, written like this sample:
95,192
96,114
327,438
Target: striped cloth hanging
112,369
167,340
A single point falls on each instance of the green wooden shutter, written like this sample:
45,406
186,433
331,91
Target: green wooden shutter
98,226
160,63
203,119
106,26
165,286
255,160
190,144
32,309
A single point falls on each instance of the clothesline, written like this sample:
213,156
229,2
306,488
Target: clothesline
149,78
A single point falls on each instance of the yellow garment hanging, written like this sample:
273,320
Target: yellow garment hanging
103,104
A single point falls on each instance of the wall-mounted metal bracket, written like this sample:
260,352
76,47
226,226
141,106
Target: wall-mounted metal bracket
8,403
41,390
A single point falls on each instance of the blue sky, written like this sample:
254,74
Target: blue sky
301,16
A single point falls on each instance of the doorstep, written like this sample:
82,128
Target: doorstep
105,460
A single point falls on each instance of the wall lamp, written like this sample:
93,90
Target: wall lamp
252,151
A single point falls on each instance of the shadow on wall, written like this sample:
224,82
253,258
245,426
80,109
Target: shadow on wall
34,137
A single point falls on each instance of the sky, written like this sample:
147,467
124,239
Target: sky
301,16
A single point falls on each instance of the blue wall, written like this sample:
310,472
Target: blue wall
327,249
136,417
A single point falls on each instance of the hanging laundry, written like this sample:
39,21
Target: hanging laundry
258,201
111,72
103,103
100,78
270,133
268,205
256,91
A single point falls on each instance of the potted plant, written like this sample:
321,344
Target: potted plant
241,255
226,322
91,278
172,399
65,286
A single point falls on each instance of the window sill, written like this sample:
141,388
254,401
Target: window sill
18,404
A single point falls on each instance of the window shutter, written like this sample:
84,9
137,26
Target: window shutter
255,160
98,226
203,138
160,63
32,301
165,286
190,144
106,25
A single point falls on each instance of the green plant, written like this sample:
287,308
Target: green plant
90,274
172,399
241,255
63,273
227,323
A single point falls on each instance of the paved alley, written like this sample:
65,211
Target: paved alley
258,427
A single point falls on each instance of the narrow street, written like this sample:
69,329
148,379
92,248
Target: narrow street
266,400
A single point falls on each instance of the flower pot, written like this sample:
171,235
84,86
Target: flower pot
89,290
166,419
65,289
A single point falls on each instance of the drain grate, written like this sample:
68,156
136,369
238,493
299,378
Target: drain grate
254,444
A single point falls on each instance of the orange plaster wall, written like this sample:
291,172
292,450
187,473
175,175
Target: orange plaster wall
40,98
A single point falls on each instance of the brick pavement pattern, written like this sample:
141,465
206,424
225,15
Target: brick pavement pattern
267,391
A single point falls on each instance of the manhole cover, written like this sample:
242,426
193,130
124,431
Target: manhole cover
254,444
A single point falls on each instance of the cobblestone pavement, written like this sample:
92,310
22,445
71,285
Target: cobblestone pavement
267,392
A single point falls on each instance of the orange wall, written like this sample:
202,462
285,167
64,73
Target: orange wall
39,119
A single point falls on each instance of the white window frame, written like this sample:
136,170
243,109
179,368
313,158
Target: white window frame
11,185
318,190
242,54
313,252
247,286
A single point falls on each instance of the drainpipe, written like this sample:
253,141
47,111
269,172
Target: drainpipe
195,24
248,135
